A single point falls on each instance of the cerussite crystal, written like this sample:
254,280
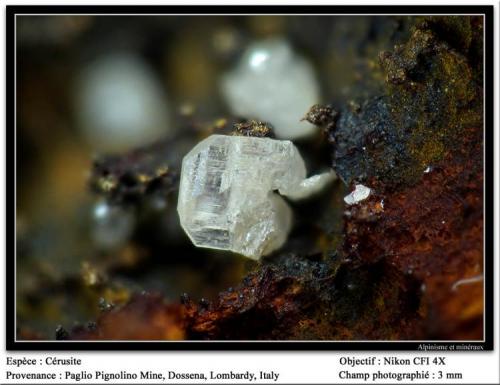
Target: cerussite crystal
360,193
227,196
273,83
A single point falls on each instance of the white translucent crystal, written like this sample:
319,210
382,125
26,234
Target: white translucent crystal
227,195
273,84
121,103
312,185
360,193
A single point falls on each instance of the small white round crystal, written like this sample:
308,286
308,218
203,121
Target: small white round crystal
273,84
360,193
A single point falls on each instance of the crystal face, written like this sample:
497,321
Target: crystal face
227,197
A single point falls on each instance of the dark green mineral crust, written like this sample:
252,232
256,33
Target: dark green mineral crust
431,95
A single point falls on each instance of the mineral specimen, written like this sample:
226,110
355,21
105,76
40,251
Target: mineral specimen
227,196
271,83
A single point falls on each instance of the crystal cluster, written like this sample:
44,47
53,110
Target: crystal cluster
227,196
273,84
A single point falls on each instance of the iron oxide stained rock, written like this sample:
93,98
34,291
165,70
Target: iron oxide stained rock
227,195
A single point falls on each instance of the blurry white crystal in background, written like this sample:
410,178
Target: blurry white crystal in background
273,84
227,196
112,225
121,103
360,193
